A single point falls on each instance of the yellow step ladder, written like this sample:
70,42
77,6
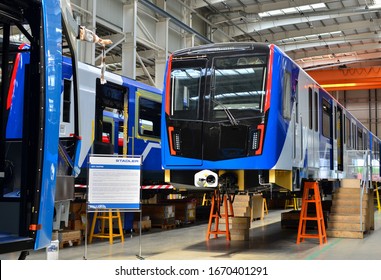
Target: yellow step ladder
265,209
377,198
106,216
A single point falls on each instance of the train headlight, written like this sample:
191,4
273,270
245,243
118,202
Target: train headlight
176,141
206,179
255,140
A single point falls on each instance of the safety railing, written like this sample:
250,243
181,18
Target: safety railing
362,165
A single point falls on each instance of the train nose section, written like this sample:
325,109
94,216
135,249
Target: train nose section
223,141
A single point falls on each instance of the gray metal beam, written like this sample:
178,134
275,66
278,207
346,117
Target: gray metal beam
174,20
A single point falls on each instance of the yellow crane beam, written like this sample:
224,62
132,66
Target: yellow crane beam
348,78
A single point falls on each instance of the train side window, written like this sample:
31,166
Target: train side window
348,132
149,118
310,107
335,124
296,99
316,112
344,129
365,141
375,149
360,144
66,101
326,119
287,95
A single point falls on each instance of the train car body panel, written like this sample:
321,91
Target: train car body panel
214,120
53,58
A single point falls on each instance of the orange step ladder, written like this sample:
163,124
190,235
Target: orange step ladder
219,200
304,218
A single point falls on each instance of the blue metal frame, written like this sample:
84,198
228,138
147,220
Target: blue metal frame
53,86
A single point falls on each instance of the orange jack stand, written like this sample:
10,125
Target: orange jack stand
306,199
219,200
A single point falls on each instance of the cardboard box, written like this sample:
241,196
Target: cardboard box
146,225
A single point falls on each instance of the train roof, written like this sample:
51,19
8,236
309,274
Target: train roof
126,80
224,47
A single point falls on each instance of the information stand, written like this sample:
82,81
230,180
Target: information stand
114,182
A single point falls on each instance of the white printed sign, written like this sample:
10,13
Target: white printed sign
114,183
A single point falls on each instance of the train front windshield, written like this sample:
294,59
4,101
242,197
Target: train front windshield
238,86
187,79
234,87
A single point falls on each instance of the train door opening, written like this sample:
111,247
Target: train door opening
328,137
313,134
111,119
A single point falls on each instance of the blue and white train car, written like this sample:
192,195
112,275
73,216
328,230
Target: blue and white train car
248,109
120,116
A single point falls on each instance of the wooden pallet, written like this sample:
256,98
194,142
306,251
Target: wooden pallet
164,226
68,238
70,243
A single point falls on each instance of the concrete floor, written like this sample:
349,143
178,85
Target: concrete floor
268,241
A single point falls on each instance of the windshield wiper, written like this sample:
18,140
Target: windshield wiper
230,116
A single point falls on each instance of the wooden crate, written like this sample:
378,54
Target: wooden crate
77,209
160,214
69,238
185,211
